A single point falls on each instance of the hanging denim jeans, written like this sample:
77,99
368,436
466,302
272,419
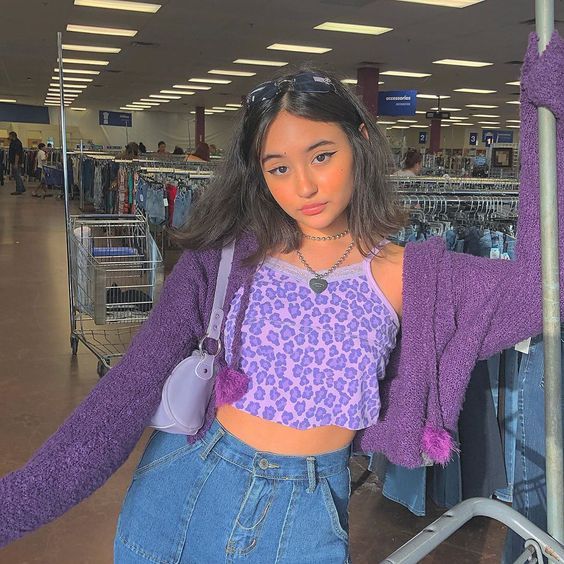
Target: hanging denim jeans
155,207
529,493
510,243
486,243
182,207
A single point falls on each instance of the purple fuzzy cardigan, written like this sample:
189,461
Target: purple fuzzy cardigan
456,309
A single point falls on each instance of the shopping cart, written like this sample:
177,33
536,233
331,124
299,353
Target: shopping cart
115,275
54,178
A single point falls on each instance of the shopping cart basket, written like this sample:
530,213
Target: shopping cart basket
54,178
116,272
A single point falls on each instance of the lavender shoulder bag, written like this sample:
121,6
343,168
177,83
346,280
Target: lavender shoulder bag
187,391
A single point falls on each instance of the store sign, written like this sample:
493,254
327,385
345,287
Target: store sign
473,140
422,137
22,113
437,115
490,136
397,103
121,119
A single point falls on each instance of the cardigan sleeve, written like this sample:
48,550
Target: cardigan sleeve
504,298
100,434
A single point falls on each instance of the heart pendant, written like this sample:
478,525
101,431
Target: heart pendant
318,285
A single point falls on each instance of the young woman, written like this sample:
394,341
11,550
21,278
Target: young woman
411,164
313,366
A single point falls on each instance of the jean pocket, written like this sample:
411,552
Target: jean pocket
159,502
163,448
336,495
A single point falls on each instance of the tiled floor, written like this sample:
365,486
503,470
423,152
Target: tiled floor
40,383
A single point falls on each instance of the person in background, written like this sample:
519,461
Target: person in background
202,153
162,148
131,151
411,165
142,148
40,174
178,151
15,157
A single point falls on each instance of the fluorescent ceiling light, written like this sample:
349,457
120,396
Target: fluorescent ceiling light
418,126
7,100
206,112
514,126
145,104
444,125
161,101
488,122
481,106
386,122
90,48
407,121
234,105
432,96
94,62
353,28
192,87
78,71
400,127
102,30
129,109
78,109
446,3
210,80
74,86
181,92
231,72
419,112
260,62
350,81
493,116
299,48
66,91
225,108
164,97
493,127
464,124
120,5
513,120
475,91
458,118
516,83
406,74
516,102
447,109
461,63
72,79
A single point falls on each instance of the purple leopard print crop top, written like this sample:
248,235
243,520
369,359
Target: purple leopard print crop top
313,359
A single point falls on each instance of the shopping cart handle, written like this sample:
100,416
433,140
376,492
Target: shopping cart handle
434,534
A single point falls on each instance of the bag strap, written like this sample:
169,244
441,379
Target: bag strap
217,313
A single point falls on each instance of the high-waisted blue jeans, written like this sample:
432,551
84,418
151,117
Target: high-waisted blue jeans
219,501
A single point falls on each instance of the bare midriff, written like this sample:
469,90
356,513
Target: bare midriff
268,436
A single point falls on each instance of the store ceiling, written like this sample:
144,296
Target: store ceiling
186,39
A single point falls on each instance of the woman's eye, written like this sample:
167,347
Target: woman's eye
279,170
323,157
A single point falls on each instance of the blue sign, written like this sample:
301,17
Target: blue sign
422,137
480,160
473,138
397,103
490,136
22,113
121,119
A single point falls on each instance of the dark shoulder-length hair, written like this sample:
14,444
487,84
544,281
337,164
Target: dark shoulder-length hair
238,200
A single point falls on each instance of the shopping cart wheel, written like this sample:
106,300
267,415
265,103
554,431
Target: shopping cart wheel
102,369
74,344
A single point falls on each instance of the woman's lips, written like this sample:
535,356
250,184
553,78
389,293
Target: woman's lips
313,209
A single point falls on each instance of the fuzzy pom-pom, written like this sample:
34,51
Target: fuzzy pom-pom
230,386
438,445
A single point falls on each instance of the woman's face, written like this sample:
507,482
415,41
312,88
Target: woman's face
308,167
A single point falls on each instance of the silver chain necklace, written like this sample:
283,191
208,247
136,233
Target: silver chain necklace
327,237
319,282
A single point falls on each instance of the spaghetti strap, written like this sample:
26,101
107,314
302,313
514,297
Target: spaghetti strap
376,250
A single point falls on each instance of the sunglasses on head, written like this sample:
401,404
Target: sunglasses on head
309,82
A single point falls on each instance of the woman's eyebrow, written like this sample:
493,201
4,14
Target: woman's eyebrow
316,145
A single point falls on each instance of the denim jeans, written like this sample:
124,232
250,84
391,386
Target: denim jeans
486,243
154,205
529,494
17,174
182,206
219,500
510,243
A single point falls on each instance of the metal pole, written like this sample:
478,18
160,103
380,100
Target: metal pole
551,294
65,173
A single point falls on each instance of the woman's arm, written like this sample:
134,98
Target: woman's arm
101,433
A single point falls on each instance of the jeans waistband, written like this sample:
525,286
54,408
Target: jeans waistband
269,465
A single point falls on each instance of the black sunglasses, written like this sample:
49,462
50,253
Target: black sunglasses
303,82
